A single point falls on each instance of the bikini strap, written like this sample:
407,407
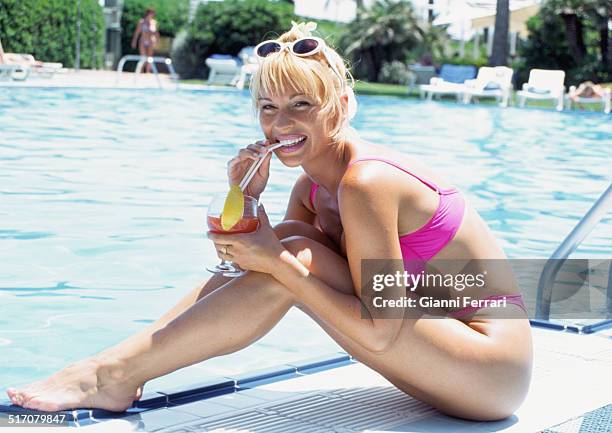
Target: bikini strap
313,191
431,185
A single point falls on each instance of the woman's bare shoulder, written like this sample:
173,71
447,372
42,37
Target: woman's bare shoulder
410,163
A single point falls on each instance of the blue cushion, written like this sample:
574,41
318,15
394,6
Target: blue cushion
222,56
538,91
457,73
492,86
226,57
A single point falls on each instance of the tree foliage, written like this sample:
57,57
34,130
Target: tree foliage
47,29
387,31
227,27
570,35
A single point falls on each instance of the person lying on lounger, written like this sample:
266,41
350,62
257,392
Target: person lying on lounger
588,89
355,200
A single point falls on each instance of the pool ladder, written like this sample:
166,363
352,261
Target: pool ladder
549,273
152,60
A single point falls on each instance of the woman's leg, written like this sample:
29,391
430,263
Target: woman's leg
142,50
89,367
478,370
149,53
284,229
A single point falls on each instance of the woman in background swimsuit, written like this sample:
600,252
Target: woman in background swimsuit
147,30
354,201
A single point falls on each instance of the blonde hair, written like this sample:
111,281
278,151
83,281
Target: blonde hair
311,75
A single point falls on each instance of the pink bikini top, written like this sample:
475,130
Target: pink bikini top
424,243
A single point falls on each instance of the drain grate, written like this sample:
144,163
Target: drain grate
597,421
343,410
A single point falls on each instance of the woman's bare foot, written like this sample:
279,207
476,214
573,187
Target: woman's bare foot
91,383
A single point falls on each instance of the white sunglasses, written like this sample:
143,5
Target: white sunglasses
302,47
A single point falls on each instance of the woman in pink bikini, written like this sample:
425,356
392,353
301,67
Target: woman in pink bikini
354,201
146,29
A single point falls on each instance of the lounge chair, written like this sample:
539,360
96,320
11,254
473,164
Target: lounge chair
495,82
14,72
250,65
450,81
420,75
37,68
605,100
543,85
224,69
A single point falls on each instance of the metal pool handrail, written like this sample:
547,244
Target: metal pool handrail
147,59
567,247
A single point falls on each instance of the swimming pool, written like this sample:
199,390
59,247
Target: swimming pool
103,196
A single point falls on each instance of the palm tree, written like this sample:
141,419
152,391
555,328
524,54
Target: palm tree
387,31
570,12
499,54
574,13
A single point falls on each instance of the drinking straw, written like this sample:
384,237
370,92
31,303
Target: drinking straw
255,166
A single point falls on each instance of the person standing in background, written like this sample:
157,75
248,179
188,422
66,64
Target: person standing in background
146,31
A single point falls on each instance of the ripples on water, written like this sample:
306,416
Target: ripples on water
103,195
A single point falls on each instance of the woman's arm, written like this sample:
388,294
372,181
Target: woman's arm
296,209
368,208
156,35
136,33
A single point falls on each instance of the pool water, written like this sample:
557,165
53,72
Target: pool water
103,195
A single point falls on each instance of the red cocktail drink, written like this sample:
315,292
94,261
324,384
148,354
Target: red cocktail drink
245,225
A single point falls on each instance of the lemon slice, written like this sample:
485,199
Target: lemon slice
232,208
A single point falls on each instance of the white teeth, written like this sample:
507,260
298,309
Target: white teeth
291,141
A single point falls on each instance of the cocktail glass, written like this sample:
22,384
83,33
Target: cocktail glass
248,223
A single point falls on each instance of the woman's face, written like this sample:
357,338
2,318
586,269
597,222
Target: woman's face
292,115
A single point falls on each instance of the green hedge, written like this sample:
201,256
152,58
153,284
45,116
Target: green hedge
170,17
47,29
225,28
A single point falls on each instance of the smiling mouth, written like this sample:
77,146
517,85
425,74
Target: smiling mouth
292,141
292,145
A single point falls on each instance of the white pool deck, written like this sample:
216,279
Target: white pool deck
572,376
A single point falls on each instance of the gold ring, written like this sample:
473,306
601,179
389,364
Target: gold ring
224,250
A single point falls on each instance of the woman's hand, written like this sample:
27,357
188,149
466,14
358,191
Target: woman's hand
256,251
238,166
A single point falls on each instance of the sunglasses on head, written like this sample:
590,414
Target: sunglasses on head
302,47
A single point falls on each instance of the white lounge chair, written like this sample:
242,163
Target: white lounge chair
14,72
420,74
250,65
605,101
224,69
450,81
37,68
543,85
491,82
